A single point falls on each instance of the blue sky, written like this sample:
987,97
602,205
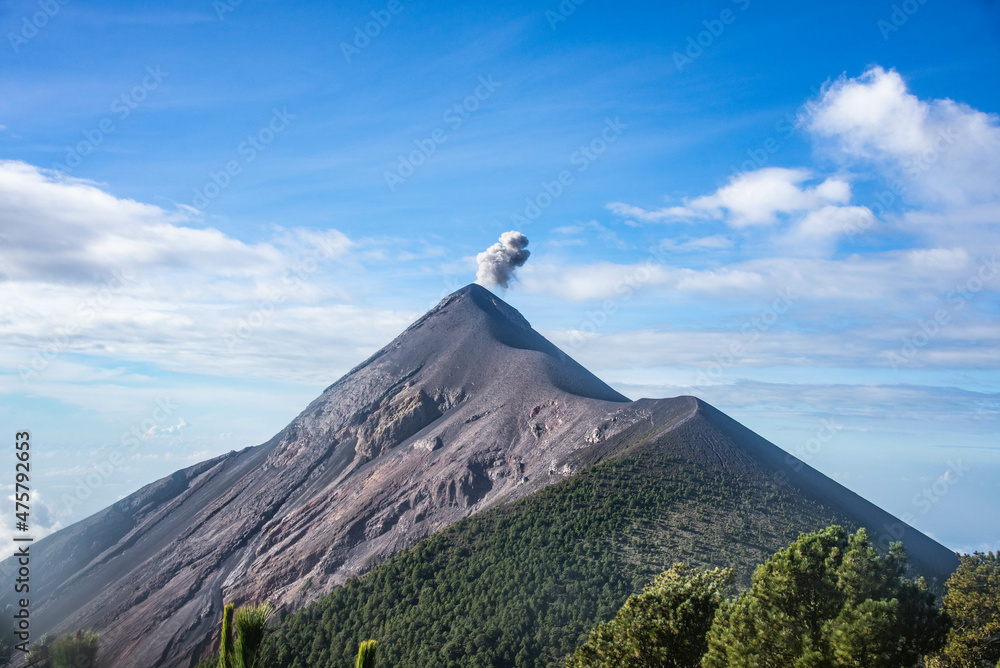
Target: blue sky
211,211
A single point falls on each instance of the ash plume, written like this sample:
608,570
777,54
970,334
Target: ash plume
498,262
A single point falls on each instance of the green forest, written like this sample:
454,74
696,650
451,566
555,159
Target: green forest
522,585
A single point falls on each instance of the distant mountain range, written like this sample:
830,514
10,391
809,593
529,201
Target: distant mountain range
468,409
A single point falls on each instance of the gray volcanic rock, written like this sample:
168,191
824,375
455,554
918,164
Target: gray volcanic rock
467,408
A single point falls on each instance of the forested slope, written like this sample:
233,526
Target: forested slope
521,585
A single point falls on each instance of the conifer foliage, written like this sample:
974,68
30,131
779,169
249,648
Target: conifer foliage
250,625
973,604
665,625
74,650
70,650
828,600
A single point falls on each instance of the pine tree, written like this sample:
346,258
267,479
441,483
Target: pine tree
74,650
665,625
973,604
828,600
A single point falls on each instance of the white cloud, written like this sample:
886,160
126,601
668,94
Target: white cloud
832,221
976,227
42,520
85,272
607,280
890,281
233,335
942,151
941,158
758,197
873,115
606,236
698,245
950,260
604,280
156,429
759,345
755,198
665,214
62,229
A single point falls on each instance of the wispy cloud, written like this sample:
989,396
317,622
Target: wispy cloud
755,198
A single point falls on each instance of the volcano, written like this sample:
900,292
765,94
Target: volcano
467,409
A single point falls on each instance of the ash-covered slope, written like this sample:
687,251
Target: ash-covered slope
468,408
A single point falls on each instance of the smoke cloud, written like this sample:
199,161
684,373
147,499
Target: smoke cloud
498,262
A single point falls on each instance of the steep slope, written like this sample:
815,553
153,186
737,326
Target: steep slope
467,409
521,584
